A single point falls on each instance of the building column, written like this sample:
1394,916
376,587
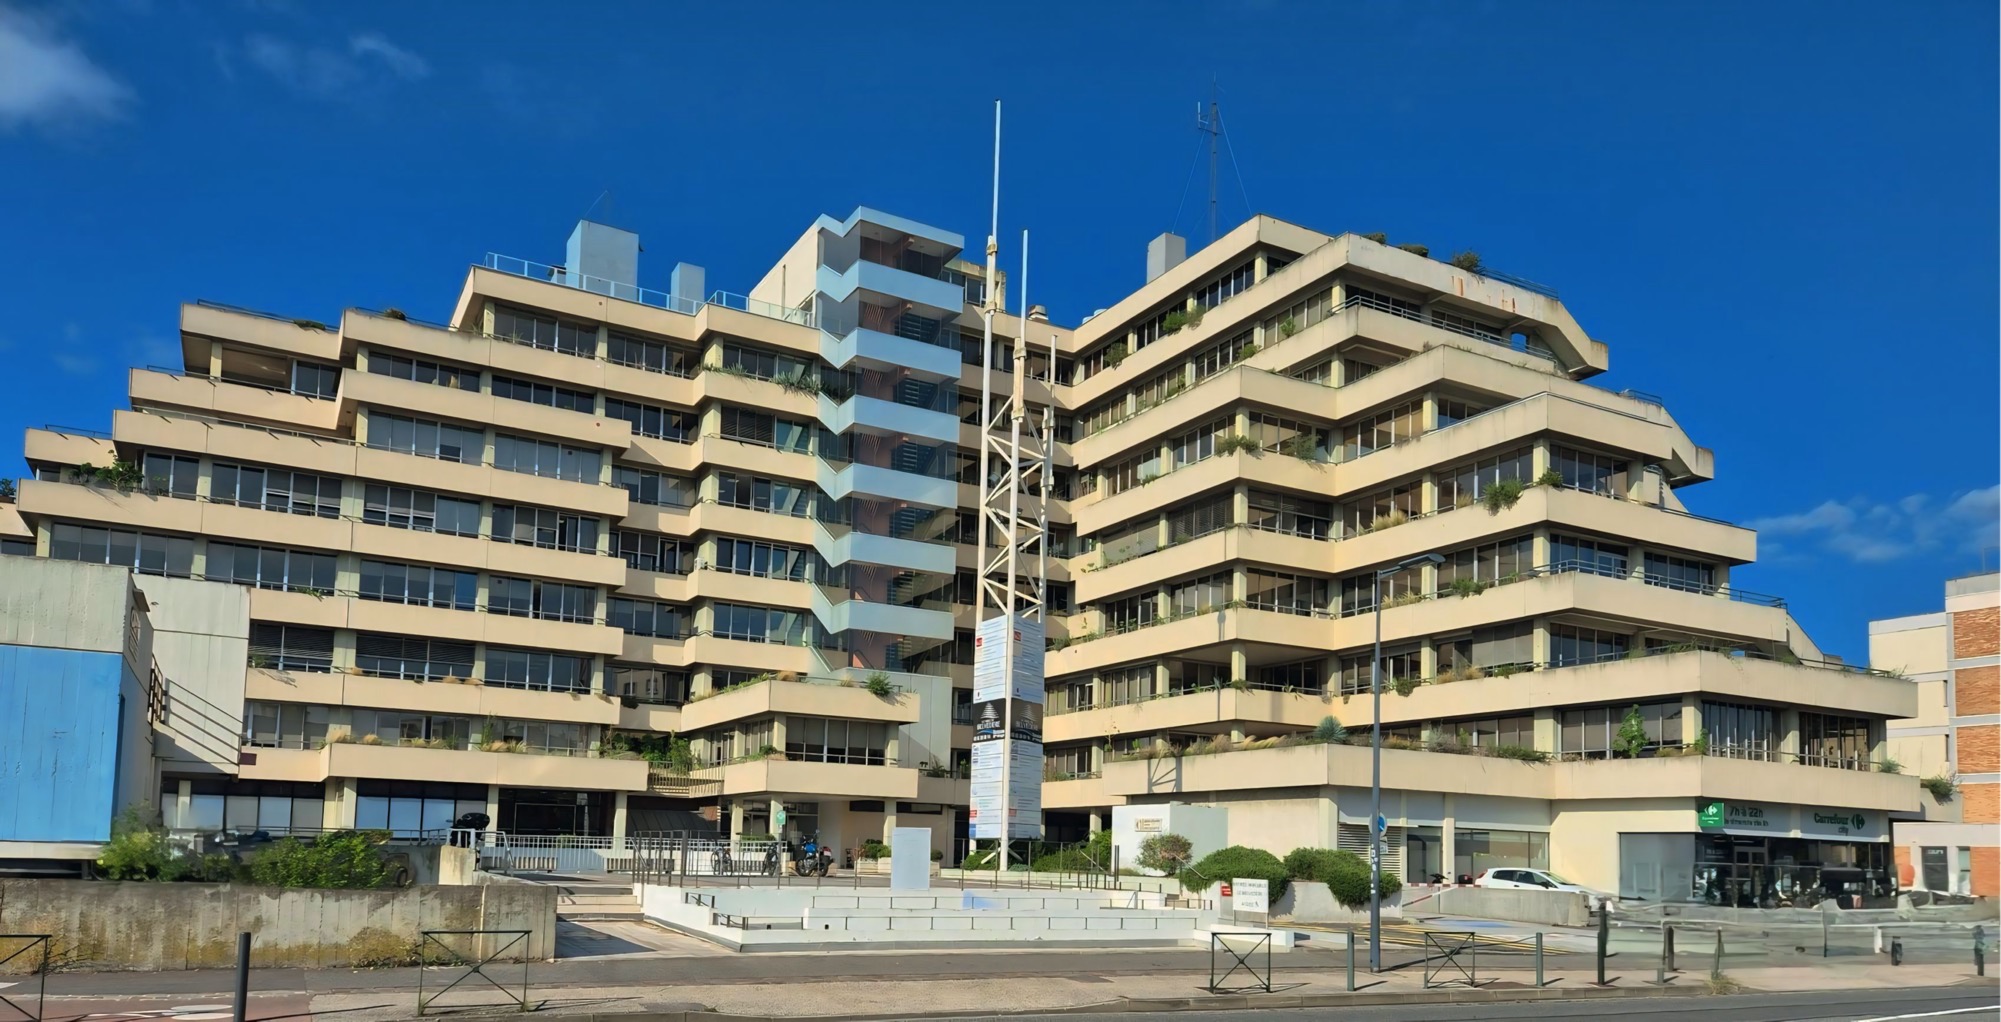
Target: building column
1240,662
343,792
889,819
1097,822
618,809
736,818
1448,845
1547,738
184,799
1539,644
1789,736
1162,678
1691,716
493,807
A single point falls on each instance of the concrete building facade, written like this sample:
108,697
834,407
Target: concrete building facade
1952,842
513,553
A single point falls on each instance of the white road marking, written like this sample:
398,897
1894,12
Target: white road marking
1925,1014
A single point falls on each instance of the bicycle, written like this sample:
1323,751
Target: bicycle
721,864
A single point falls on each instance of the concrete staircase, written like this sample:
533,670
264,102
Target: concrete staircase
584,902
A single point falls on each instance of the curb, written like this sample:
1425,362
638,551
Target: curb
1220,1002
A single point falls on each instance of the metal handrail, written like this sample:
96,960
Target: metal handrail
528,269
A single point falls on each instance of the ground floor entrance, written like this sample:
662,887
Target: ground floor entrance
1742,871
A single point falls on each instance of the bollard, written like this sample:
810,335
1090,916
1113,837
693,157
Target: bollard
1538,959
1716,962
242,977
1351,959
1604,942
1980,950
1896,950
1823,932
1667,937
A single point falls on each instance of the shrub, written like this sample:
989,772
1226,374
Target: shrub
1345,874
1520,752
873,849
1404,686
1174,321
1549,477
1889,766
1166,853
1464,587
1416,249
394,313
138,850
1379,238
1303,446
1941,787
1115,353
1065,860
1288,326
1632,737
1235,442
1468,260
348,859
1233,862
1330,731
878,685
1502,495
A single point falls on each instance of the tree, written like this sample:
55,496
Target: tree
347,859
6,489
1165,853
138,850
1632,738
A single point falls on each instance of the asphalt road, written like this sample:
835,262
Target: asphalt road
1946,1004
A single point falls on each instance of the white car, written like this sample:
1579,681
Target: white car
1538,880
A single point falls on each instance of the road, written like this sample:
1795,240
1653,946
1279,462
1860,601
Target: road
1947,1004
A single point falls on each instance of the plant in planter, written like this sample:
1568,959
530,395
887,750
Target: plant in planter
395,313
310,324
1631,739
1941,787
1114,354
1303,446
1235,442
1464,587
1888,765
1288,326
1468,260
1330,731
878,685
1378,237
1404,686
1549,477
1404,600
1502,495
1415,249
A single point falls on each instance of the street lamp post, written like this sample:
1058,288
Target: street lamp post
1376,764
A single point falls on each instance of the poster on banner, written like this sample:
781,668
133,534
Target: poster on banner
1007,732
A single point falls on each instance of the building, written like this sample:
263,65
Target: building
1269,429
582,516
1950,843
103,707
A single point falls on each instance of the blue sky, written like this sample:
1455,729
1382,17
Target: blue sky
1781,216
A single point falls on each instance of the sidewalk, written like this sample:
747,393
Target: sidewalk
780,995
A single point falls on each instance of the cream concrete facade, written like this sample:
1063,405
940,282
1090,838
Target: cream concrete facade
732,513
1950,843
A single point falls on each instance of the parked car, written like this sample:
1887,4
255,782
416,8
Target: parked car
1539,880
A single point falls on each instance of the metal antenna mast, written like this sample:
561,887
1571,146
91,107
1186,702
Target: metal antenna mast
1013,523
1212,126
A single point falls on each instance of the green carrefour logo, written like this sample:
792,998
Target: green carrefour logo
1710,815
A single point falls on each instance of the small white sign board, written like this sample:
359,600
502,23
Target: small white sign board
909,859
1250,896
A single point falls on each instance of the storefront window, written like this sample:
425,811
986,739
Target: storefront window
1477,850
1748,872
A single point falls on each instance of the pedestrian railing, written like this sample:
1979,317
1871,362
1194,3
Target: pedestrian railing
463,955
25,954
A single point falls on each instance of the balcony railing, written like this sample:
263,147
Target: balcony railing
531,270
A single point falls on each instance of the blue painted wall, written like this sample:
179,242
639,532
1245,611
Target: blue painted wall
59,725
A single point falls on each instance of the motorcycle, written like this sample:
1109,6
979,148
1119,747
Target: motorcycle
810,859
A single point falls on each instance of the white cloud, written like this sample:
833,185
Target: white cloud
1867,531
328,72
48,81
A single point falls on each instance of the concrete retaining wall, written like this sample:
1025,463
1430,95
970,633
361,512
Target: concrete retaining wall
1547,908
105,926
1306,901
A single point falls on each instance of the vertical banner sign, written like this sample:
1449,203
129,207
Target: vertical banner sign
993,745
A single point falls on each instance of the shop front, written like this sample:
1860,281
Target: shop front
1764,855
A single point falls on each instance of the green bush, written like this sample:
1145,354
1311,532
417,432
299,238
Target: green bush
1345,874
138,851
1237,861
349,859
1065,860
1167,853
1330,731
873,849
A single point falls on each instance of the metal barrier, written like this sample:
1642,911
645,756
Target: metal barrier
1245,960
475,964
1449,947
31,943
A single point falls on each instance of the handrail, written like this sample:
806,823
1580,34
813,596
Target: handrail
296,321
528,269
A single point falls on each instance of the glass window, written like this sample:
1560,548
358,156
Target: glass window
647,551
539,330
1382,510
1574,644
426,439
544,527
652,420
1287,593
535,669
646,617
1466,484
1741,731
419,510
421,371
419,584
1372,433
1227,286
1402,663
759,624
399,656
1593,732
647,683
650,355
544,394
764,560
1292,515
1583,470
1201,595
270,567
1595,557
546,459
291,647
1298,676
1831,740
169,475
1680,573
1131,613
657,489
311,379
1487,565
145,553
550,601
1485,649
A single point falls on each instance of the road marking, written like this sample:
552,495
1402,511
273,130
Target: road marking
1924,1014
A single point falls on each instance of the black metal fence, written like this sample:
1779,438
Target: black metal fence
463,955
24,954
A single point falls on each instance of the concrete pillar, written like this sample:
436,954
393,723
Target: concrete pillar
1539,460
1691,715
1240,505
618,803
1448,844
1240,662
1236,734
1162,679
1546,730
1539,547
1789,736
184,798
1427,494
215,358
493,806
736,818
348,791
1097,822
888,820
1240,584
1539,644
1428,418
